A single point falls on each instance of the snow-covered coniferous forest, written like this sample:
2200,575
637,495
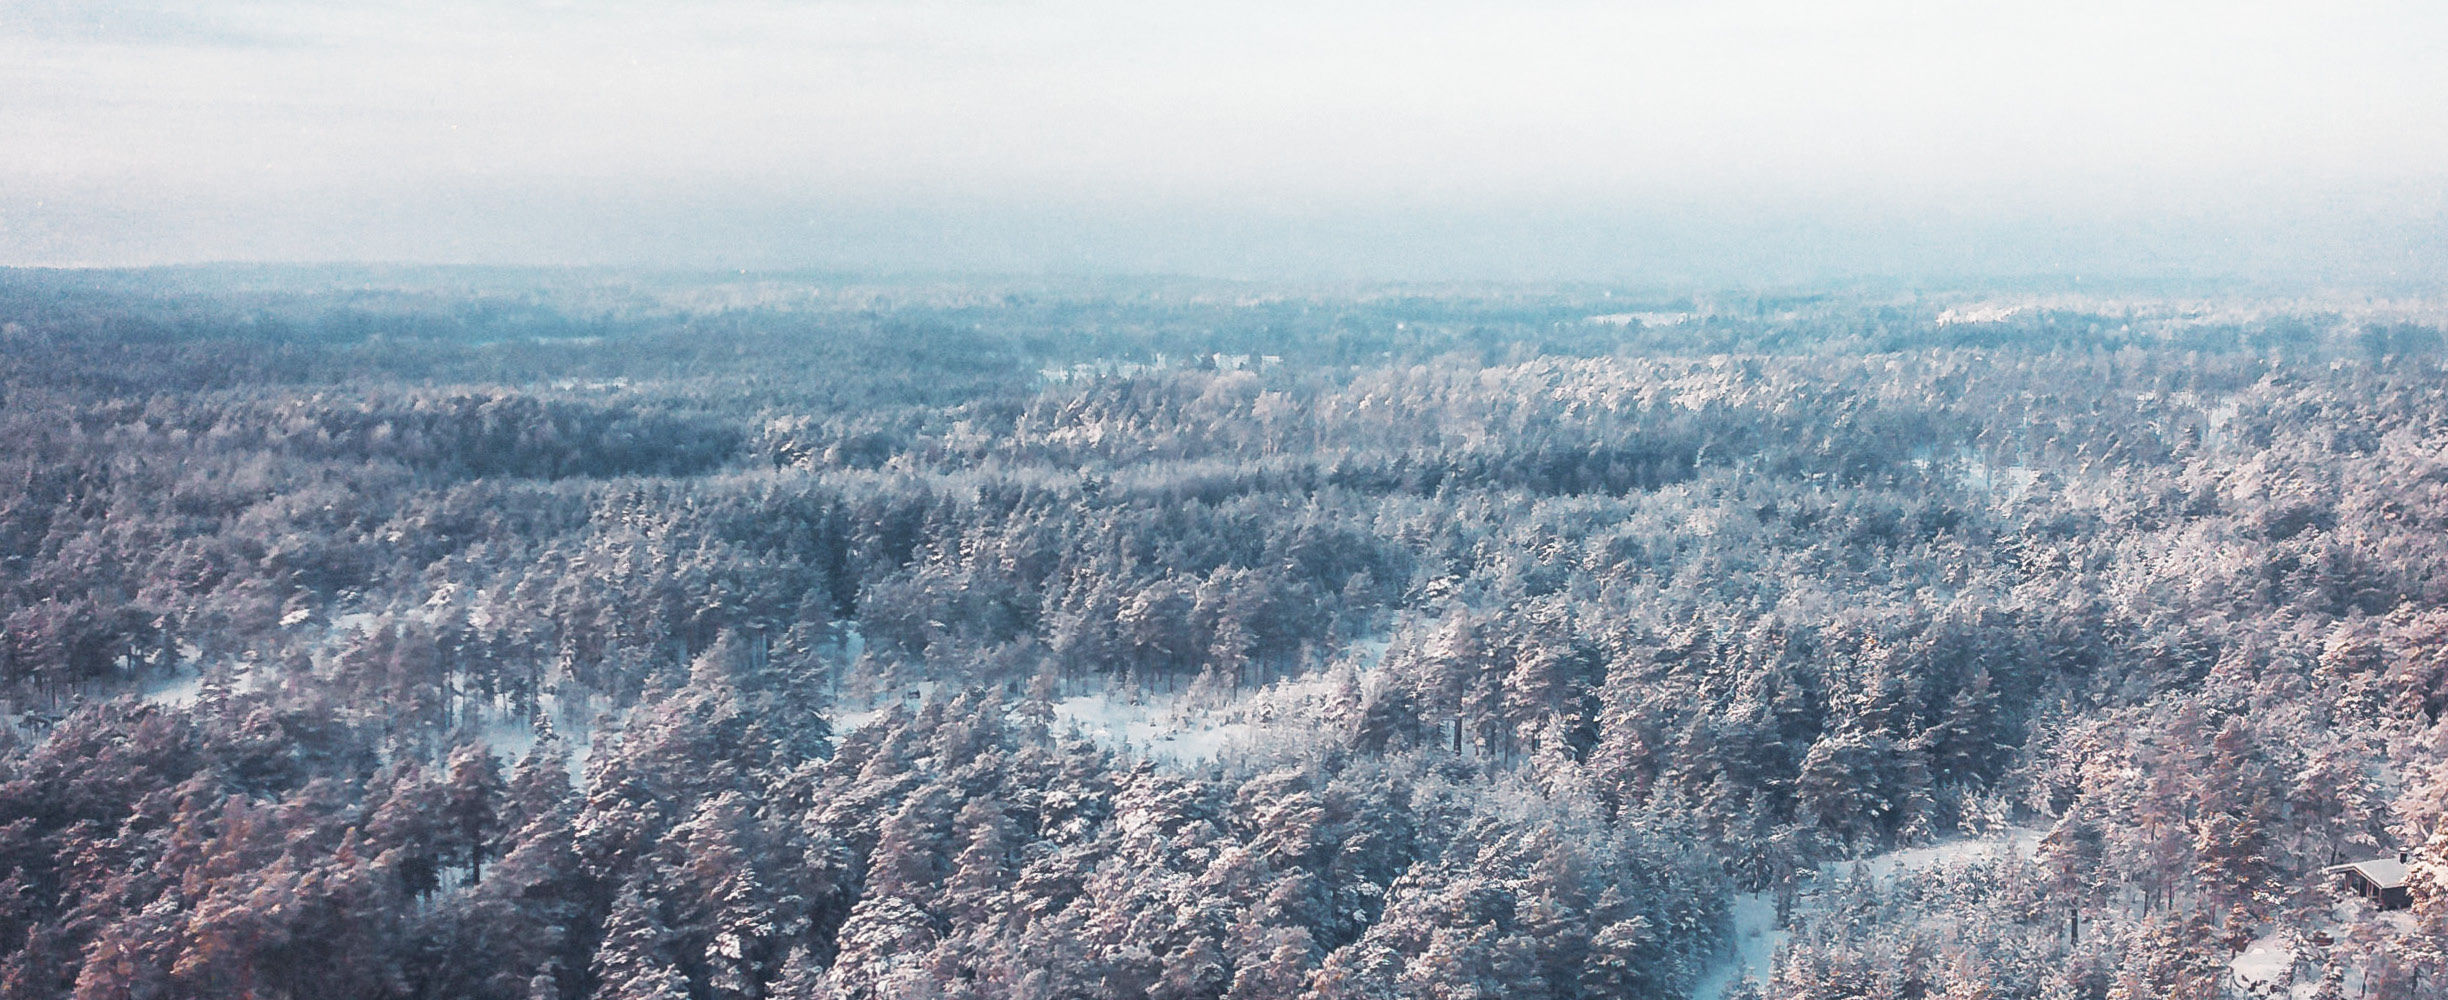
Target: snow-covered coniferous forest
588,636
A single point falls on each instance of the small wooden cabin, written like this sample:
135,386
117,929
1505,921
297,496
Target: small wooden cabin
2381,880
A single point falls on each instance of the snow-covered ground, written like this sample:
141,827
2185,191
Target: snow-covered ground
1174,730
508,736
1637,320
1166,730
2266,967
2024,842
175,691
180,689
913,695
1980,312
2014,482
1757,936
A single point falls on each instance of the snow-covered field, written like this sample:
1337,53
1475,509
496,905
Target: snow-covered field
1174,730
1180,729
1168,730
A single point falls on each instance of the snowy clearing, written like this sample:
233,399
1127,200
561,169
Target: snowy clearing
1757,936
1177,731
2266,965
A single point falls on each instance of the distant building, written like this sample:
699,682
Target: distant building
2381,880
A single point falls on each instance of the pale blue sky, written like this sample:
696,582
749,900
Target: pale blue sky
1435,139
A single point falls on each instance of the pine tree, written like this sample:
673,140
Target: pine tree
1276,966
634,961
976,893
1624,961
730,921
407,828
539,783
471,807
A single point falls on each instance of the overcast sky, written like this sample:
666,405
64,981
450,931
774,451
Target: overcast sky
1677,141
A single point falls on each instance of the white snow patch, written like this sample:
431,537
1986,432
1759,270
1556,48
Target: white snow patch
2023,842
174,691
1179,731
1638,319
1105,368
913,695
1757,937
181,690
853,641
511,739
845,723
1979,312
2266,966
1366,654
2014,481
1174,729
1167,730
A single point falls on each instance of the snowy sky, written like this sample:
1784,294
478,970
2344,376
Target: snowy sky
1436,138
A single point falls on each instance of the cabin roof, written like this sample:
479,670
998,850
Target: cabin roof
2387,873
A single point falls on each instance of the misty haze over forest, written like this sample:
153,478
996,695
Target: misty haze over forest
1714,145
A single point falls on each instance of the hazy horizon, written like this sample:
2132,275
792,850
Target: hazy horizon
1663,143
